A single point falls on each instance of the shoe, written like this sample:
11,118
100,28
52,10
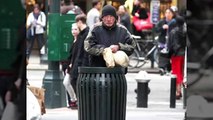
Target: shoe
178,96
162,71
73,105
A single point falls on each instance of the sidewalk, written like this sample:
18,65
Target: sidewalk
158,99
34,64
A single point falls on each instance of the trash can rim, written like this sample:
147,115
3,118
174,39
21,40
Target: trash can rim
115,70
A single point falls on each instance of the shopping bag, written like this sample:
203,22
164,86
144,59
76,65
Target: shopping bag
142,24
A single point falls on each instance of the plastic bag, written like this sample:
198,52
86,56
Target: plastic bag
142,24
108,57
121,58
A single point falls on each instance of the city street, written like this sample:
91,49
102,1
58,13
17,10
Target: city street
158,99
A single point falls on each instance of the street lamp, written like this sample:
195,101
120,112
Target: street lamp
53,78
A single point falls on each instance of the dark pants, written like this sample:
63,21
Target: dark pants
73,83
30,43
164,62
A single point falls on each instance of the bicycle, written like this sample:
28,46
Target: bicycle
145,50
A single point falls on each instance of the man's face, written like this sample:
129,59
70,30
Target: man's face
108,20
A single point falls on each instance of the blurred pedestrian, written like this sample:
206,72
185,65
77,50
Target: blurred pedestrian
78,56
163,28
140,12
93,16
124,17
129,5
107,35
177,45
71,96
68,7
36,22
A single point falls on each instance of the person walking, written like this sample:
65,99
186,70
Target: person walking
177,45
94,13
78,57
71,96
139,11
124,17
163,28
68,7
107,34
36,22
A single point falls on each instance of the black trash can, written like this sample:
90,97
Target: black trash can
101,93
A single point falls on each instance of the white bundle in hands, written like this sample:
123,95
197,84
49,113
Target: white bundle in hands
121,58
108,57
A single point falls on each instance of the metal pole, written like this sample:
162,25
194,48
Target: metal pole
53,78
43,58
173,92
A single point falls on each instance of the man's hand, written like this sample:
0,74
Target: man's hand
165,26
136,14
114,48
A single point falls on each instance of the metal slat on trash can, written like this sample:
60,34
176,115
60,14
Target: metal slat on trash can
97,96
123,94
113,97
92,102
101,93
87,81
108,94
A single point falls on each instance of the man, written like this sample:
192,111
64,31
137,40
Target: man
94,14
124,17
79,57
107,34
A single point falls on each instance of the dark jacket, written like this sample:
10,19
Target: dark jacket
177,41
101,37
141,11
125,20
162,33
79,56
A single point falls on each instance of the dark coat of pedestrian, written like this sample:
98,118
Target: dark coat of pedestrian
124,17
79,56
68,7
107,34
163,28
177,45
